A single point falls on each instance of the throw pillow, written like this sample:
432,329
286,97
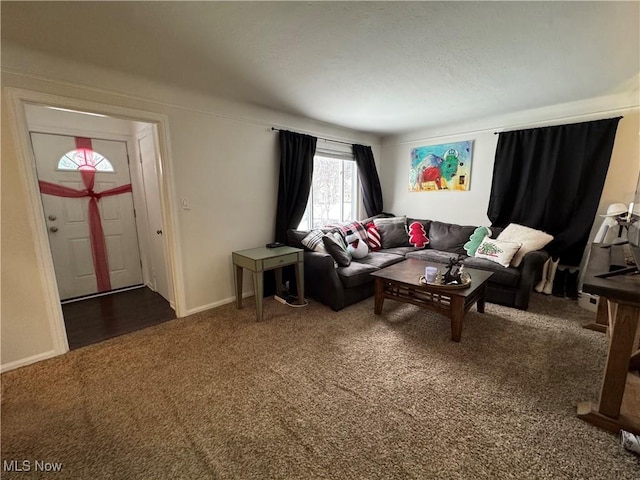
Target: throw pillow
373,237
353,226
336,250
476,239
313,241
530,238
497,251
356,247
393,231
417,235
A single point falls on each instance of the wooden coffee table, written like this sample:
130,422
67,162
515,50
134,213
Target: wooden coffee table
401,282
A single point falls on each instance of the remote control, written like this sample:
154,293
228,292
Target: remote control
274,245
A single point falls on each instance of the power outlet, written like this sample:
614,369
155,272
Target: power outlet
184,203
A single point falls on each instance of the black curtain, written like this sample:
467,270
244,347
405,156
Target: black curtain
371,189
296,169
551,179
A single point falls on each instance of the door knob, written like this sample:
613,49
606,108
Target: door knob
159,232
53,229
52,217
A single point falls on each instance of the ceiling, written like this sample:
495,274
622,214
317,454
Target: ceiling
380,67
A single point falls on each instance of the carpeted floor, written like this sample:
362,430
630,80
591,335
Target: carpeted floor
311,393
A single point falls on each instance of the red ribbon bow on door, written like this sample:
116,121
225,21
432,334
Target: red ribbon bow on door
96,234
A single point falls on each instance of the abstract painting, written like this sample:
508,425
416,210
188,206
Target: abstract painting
445,167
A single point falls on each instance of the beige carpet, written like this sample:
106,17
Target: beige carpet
311,393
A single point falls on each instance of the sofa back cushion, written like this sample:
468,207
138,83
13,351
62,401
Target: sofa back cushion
449,237
425,223
393,231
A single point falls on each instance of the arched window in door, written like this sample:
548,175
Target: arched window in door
84,159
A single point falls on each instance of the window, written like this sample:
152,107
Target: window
84,159
334,191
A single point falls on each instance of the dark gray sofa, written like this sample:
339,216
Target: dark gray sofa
339,287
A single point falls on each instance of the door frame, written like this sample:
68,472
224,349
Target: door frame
17,98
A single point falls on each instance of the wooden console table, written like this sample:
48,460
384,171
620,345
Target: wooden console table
260,259
619,403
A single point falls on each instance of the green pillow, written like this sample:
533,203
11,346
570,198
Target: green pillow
476,239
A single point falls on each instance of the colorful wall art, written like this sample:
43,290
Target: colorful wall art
445,167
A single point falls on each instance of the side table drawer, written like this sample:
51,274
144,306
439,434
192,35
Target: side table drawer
281,260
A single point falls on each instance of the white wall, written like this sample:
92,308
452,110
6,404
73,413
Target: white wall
471,207
225,162
466,208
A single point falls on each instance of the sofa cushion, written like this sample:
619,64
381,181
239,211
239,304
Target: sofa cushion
402,251
509,276
393,231
380,259
430,255
449,237
356,274
372,218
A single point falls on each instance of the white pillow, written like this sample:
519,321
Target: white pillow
497,251
530,238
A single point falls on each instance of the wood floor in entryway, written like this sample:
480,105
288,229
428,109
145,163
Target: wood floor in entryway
96,319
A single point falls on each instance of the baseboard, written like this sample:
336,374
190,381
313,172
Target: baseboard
219,303
28,361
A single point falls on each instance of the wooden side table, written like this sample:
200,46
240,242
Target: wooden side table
258,260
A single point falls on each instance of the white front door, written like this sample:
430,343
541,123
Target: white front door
68,219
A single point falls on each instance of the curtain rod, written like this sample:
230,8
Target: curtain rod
548,126
319,138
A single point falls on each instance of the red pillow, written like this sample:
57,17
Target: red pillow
373,237
417,235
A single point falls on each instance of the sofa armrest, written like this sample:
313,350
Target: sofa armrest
321,279
531,268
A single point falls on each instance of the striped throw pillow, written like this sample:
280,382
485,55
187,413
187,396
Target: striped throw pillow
313,241
373,237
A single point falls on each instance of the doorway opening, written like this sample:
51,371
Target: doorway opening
98,318
100,193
